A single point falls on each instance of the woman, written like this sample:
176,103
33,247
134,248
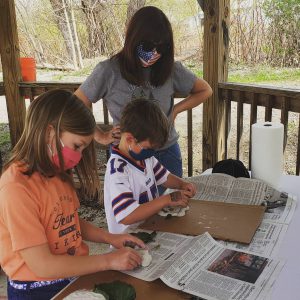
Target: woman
145,68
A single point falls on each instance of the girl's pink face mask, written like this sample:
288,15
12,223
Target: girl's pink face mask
70,156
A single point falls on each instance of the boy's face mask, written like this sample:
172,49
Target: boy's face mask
148,58
70,156
144,154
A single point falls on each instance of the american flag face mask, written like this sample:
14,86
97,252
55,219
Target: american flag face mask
147,58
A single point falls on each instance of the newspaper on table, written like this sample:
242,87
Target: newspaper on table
265,242
226,188
203,267
280,207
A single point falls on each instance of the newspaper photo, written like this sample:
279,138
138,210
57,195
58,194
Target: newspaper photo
203,267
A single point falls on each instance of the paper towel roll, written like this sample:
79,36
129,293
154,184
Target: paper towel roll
267,152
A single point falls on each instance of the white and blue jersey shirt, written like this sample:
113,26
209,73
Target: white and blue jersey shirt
128,185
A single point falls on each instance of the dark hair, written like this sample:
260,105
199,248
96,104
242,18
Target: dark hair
148,24
145,121
65,112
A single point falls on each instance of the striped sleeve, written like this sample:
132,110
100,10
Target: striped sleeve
160,172
121,202
119,196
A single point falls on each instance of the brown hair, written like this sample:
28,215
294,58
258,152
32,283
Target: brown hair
147,24
65,112
145,121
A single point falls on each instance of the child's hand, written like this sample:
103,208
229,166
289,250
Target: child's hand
120,240
189,189
178,198
123,259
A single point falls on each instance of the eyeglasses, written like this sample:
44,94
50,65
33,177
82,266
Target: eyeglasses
160,47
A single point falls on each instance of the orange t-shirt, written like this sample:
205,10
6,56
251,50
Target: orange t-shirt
35,210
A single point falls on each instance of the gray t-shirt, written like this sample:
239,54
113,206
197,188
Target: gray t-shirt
107,83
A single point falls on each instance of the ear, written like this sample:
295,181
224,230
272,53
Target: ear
50,133
129,137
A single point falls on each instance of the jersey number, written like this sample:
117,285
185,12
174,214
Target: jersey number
120,168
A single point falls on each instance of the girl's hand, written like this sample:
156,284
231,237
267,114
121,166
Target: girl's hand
123,259
121,240
189,189
178,198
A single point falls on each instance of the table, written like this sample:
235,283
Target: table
144,290
287,285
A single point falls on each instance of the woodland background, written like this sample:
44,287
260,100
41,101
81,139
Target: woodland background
67,33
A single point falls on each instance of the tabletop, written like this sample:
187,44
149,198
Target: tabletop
287,285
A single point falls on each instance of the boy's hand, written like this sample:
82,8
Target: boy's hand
178,198
120,240
189,189
123,259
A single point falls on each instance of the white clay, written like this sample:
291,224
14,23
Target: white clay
174,211
146,257
84,294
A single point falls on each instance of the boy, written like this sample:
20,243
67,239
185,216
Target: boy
133,173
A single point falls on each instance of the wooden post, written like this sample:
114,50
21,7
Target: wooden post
10,58
215,70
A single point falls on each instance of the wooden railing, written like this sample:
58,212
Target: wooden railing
285,100
1,89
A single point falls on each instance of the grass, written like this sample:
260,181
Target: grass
264,74
4,135
237,73
258,74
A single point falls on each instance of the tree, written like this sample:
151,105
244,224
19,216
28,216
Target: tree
63,16
283,34
133,6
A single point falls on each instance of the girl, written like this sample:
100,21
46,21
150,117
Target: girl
145,68
41,233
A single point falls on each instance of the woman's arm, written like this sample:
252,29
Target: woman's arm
199,93
101,137
44,264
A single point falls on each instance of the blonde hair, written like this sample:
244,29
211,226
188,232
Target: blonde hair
66,113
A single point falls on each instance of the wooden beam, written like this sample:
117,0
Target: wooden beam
10,59
215,70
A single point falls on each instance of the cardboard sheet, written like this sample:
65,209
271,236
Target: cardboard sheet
144,290
225,221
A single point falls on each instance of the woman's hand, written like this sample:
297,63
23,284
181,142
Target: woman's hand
115,134
121,240
108,137
123,259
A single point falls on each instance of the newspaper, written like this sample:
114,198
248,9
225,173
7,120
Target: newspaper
164,251
266,241
280,206
203,267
